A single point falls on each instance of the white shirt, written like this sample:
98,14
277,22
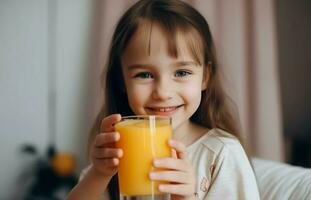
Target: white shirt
222,168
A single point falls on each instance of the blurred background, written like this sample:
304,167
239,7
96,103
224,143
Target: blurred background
52,53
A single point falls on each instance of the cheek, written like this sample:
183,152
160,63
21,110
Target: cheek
192,94
137,96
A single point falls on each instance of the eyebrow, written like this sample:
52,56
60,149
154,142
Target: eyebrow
176,64
185,63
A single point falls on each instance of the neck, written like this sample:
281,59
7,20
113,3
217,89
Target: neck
188,132
181,131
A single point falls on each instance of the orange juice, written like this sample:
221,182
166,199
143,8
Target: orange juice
141,141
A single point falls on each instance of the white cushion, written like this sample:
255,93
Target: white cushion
280,181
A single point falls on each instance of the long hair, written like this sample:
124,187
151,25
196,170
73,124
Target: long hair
173,16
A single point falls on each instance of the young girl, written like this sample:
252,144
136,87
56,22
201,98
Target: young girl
162,62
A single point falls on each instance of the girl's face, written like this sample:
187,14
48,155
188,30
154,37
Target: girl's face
157,83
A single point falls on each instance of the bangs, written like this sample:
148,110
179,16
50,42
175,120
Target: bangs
176,32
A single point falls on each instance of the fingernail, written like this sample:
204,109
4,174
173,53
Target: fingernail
118,135
120,154
151,175
161,187
115,161
155,162
171,142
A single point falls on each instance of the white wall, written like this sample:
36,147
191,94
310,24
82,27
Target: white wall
24,62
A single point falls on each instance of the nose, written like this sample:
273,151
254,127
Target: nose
163,90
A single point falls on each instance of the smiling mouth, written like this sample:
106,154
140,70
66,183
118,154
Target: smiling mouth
164,109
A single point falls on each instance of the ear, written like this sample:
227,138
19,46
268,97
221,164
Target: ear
206,76
204,83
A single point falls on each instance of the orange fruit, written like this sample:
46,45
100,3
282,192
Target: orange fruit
63,164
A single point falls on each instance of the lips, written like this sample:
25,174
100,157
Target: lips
165,109
169,110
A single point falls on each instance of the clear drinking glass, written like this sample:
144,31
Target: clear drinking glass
143,138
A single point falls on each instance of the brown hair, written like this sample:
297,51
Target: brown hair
173,16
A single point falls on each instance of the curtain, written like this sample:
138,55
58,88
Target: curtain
245,35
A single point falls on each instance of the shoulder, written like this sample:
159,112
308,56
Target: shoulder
218,142
221,165
219,149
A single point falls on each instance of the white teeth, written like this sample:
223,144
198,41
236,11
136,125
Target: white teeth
165,109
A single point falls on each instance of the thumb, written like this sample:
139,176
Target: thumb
108,122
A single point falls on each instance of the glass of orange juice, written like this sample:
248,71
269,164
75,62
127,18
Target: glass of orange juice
143,138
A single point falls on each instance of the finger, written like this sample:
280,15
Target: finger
101,153
180,149
174,153
177,189
171,163
170,176
108,162
106,138
108,122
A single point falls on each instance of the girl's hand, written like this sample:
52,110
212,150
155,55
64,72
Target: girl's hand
104,155
177,171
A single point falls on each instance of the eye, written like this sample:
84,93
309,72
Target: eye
182,73
143,75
